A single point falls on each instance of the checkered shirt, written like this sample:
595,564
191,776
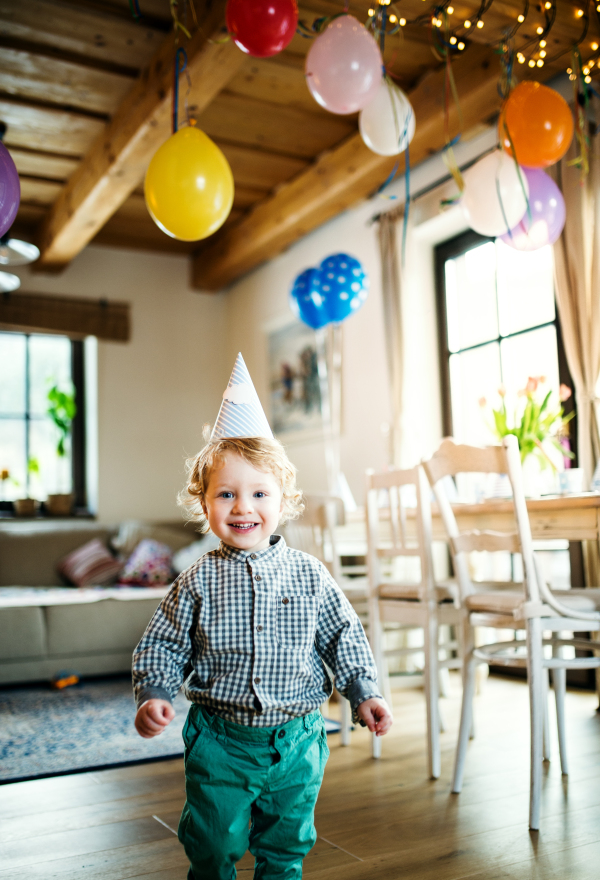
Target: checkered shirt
249,635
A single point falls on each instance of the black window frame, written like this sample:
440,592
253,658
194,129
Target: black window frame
78,427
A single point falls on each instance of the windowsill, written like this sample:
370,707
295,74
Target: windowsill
78,513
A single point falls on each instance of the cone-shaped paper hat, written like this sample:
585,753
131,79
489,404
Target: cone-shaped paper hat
241,413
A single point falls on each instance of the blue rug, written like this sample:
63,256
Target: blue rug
86,727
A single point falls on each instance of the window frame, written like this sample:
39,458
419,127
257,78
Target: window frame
78,428
455,247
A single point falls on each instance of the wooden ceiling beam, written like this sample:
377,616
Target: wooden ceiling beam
117,160
347,174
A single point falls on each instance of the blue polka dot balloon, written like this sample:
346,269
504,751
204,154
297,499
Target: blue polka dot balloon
344,286
306,299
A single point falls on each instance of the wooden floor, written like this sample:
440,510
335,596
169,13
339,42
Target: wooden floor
376,820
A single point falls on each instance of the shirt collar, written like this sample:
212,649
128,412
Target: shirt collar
272,552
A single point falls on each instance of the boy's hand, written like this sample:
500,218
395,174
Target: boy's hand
376,715
152,717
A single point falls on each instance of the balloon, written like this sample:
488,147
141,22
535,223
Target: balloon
10,190
344,286
344,66
540,125
547,208
494,198
306,300
387,123
189,186
261,27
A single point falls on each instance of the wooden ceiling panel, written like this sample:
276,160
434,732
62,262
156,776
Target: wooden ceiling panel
89,32
39,192
68,85
42,128
277,128
45,165
268,80
260,168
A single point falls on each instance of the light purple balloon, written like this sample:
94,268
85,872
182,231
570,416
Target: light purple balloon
10,190
547,214
344,66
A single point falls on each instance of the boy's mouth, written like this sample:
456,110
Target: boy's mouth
242,527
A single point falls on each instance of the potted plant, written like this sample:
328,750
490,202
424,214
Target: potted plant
62,410
27,506
538,425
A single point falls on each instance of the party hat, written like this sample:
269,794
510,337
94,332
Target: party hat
241,413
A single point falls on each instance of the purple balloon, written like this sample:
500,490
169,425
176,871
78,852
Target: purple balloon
547,214
10,190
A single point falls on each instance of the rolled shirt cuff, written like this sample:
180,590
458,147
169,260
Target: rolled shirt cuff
360,690
152,693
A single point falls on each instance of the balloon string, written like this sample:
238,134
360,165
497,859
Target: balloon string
179,55
134,7
406,203
580,92
506,132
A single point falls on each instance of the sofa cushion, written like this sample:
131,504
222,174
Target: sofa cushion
150,565
22,633
131,532
29,552
109,625
90,564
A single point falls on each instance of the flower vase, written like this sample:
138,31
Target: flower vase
532,483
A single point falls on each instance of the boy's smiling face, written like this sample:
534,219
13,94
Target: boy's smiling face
242,504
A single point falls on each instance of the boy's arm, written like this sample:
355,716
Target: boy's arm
342,644
165,649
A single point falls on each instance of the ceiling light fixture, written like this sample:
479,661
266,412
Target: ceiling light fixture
14,252
520,19
9,282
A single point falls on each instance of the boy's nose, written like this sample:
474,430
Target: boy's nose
243,505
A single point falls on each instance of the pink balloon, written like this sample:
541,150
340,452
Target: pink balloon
344,66
547,208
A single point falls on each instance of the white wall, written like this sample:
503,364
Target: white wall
261,299
155,392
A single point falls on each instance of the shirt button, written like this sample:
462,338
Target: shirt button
257,680
253,556
281,734
285,601
259,628
257,577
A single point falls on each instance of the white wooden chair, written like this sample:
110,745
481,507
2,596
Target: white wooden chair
530,606
315,533
413,602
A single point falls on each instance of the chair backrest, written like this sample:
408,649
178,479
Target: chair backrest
452,459
396,529
315,531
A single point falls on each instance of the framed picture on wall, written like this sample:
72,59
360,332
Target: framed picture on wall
295,396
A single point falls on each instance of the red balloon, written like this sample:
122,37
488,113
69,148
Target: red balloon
262,27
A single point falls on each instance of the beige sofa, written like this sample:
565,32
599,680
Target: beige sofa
46,627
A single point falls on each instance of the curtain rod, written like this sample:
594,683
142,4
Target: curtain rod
429,188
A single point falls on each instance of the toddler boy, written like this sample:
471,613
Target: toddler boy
251,628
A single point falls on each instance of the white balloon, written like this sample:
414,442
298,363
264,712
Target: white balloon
387,123
495,195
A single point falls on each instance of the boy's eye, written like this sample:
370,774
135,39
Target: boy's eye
260,494
226,495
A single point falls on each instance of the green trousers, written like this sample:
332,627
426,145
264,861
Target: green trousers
250,788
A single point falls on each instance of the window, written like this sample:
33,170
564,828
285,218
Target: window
498,326
29,365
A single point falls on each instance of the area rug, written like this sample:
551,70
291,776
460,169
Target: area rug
86,727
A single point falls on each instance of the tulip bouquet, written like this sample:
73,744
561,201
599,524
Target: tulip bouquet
534,420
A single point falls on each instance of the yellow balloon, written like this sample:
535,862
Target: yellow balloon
189,186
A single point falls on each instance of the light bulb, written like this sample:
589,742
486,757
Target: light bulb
531,62
371,12
467,23
591,62
540,63
588,79
521,59
453,41
594,46
569,71
543,53
480,23
539,30
542,44
439,22
461,46
548,5
521,19
450,10
402,22
393,19
579,13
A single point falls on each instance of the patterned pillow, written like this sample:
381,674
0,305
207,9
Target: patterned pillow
90,564
150,565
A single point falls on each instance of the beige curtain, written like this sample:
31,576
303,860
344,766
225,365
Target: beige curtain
577,278
389,225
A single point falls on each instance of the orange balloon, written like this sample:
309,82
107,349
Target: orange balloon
539,123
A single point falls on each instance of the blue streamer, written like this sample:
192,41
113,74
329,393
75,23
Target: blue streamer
180,54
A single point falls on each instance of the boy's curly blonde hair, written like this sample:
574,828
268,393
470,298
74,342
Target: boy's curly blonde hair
262,453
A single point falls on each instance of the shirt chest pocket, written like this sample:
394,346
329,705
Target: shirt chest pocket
296,620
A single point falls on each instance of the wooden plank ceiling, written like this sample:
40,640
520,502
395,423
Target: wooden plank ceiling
85,95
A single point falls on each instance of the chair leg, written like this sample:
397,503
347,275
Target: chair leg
467,643
546,750
535,677
466,719
559,684
430,631
346,721
444,677
441,720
